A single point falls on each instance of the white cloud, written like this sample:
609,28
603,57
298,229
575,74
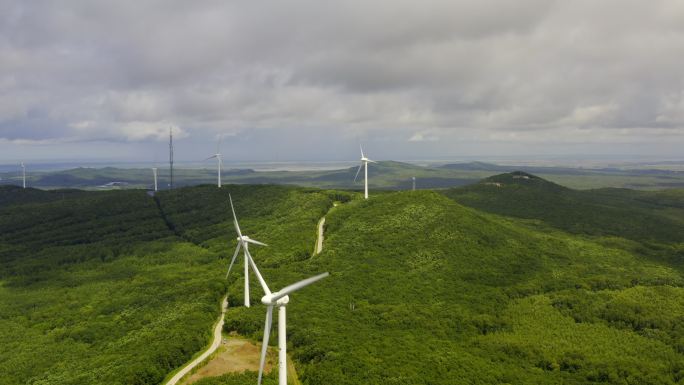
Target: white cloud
423,137
390,69
136,131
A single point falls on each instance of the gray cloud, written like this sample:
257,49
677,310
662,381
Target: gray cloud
531,71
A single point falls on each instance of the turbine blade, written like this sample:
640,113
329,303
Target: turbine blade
370,161
264,344
211,157
296,286
250,240
357,172
361,151
232,261
257,272
235,222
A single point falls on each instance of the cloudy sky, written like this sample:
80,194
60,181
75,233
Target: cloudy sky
310,79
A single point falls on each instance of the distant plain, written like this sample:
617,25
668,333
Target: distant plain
386,175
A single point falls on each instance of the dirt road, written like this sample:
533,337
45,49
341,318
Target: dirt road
214,345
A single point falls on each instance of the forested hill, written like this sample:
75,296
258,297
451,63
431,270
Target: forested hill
637,215
426,291
121,288
15,195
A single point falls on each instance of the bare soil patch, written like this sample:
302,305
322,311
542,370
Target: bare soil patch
235,355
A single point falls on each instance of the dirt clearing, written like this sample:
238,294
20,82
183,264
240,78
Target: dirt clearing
235,355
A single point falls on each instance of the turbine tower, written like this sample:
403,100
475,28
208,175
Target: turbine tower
219,162
23,175
414,183
243,242
364,164
281,299
171,157
154,172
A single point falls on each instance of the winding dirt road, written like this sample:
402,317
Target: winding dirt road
319,241
219,325
214,345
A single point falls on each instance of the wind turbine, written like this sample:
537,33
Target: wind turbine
171,158
364,164
243,242
154,172
281,299
23,174
219,162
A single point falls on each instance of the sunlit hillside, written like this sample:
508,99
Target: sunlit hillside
122,288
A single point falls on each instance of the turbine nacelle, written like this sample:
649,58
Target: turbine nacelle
269,300
245,239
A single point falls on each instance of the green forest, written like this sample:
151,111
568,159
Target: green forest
513,280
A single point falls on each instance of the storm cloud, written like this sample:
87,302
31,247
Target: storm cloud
429,74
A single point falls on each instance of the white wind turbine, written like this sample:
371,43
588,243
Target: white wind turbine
243,242
219,162
23,174
154,172
364,164
281,299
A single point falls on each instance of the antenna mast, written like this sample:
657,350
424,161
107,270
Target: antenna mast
171,156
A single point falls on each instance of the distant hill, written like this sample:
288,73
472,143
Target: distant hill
567,171
481,166
637,215
383,175
475,166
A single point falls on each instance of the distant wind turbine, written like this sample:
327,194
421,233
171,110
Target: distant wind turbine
243,242
281,299
414,183
154,172
219,162
171,157
23,174
364,164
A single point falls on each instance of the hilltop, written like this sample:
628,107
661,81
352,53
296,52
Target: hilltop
636,215
15,195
